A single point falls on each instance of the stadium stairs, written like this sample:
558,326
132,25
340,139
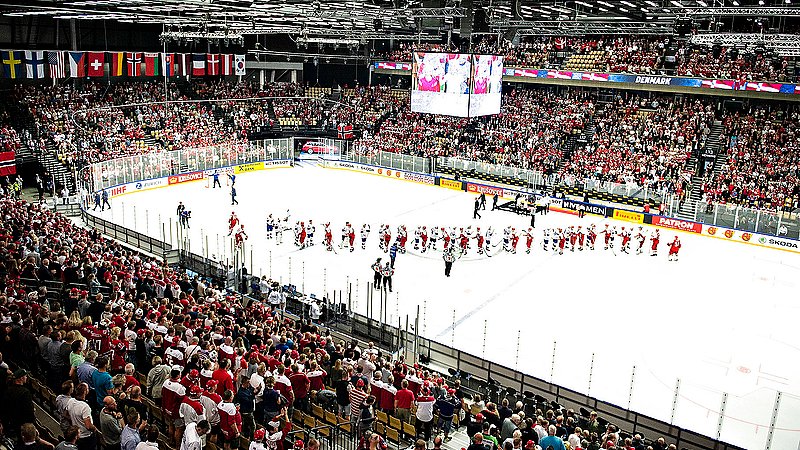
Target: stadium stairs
696,193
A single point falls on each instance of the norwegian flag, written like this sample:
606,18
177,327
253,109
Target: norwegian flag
227,64
57,67
213,64
134,64
718,84
763,87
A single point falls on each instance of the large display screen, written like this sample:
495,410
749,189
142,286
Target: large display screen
486,86
456,84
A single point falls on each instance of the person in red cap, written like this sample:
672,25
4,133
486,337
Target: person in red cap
191,409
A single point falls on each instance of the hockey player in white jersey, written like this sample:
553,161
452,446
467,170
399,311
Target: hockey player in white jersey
434,237
545,238
417,237
507,239
310,228
270,226
640,238
365,229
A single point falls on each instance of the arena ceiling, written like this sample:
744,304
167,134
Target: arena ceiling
402,19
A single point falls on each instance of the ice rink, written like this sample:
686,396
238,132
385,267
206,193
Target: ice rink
721,320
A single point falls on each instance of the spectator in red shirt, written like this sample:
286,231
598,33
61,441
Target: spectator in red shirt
403,400
223,377
301,386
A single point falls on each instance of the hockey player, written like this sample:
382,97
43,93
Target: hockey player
546,239
481,239
328,237
528,239
626,239
417,237
463,241
297,227
434,237
514,240
640,237
674,247
351,235
424,237
240,237
387,238
310,228
270,226
654,238
591,237
606,237
573,238
232,222
365,229
507,239
489,237
402,238
303,235
345,235
446,237
581,237
380,236
562,241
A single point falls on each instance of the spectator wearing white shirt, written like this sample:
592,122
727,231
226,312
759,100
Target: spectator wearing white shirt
192,436
151,439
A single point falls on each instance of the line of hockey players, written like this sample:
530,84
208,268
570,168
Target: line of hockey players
425,239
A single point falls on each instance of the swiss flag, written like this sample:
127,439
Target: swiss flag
227,64
96,64
213,64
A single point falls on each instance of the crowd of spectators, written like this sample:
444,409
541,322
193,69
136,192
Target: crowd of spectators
618,54
642,143
762,160
127,330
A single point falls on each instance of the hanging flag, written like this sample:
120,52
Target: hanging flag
8,164
34,63
57,67
227,64
239,63
77,64
213,64
198,64
182,63
97,64
134,64
12,64
151,65
117,64
168,64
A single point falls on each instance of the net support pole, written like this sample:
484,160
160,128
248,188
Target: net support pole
675,397
630,390
553,362
774,420
591,370
722,414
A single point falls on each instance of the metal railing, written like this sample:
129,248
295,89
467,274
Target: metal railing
399,161
785,224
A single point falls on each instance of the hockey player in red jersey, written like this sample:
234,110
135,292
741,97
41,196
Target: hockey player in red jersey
514,240
232,222
562,241
424,237
463,242
446,236
240,237
581,236
387,238
480,238
626,239
528,240
654,242
674,247
606,237
402,237
573,238
328,237
351,236
302,236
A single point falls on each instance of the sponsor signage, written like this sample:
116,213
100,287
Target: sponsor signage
677,224
652,80
628,216
450,184
185,177
777,242
245,168
277,163
388,172
600,210
483,189
117,190
149,184
419,178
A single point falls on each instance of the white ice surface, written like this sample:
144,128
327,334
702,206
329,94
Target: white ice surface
721,319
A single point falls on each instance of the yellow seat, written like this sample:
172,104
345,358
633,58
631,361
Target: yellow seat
382,417
317,411
392,435
409,429
395,423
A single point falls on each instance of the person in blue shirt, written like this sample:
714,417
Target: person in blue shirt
551,441
216,181
232,177
392,253
105,200
233,196
446,406
96,200
101,379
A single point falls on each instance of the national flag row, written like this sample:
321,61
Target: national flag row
31,64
